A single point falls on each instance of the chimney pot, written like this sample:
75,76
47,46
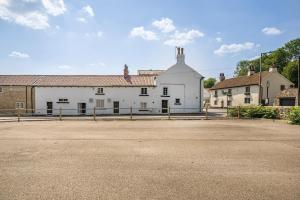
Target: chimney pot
273,68
126,71
222,77
180,56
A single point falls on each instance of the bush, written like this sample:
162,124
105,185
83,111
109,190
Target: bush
294,115
254,112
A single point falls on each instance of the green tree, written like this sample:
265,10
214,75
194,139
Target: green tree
293,48
291,72
209,83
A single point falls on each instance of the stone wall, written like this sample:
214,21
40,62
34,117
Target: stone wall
12,94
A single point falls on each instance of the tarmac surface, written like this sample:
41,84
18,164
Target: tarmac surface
157,159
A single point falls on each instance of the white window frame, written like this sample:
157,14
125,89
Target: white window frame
143,105
165,91
100,103
247,101
20,105
100,90
144,91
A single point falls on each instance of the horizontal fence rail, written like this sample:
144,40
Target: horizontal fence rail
101,113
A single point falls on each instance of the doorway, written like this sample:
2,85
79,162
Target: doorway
82,108
164,106
49,108
116,107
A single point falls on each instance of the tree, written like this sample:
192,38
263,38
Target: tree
209,83
291,72
293,48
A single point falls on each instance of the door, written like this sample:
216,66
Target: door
49,108
116,107
164,106
82,108
288,101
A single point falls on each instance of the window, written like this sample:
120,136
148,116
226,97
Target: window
20,105
282,87
165,91
247,100
229,103
62,100
216,93
229,92
1,89
215,102
100,91
247,89
177,102
100,103
143,105
144,91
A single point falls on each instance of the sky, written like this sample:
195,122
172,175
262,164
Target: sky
99,37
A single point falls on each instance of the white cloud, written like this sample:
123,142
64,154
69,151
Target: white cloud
29,1
34,19
165,25
219,39
64,67
271,31
141,32
183,38
54,7
97,34
88,10
4,2
234,48
81,19
16,54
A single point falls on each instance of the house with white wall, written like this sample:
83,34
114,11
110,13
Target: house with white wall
244,90
179,88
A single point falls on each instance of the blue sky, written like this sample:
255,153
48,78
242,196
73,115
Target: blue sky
99,37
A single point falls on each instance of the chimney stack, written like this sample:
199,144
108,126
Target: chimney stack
126,72
273,68
251,71
222,77
180,55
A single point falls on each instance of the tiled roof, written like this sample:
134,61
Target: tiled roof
240,81
78,80
150,72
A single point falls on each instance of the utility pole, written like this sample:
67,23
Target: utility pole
260,77
299,80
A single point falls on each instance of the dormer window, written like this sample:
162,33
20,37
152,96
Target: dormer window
144,92
100,91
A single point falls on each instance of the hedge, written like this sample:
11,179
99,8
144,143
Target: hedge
254,112
294,115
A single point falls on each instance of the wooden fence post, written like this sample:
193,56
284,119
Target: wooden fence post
239,112
60,113
131,112
206,111
94,114
169,112
19,114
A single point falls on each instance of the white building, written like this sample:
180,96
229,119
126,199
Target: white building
178,88
244,90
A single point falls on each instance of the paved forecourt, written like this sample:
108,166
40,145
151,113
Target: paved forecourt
157,159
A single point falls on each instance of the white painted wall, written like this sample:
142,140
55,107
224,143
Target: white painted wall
182,81
237,98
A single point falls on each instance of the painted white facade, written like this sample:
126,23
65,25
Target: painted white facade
271,86
181,81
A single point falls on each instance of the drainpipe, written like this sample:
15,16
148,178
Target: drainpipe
201,100
26,98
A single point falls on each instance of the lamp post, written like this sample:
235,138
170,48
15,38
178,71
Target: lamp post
260,77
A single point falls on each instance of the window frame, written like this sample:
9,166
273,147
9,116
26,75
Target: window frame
143,106
177,102
20,103
144,91
100,91
246,100
282,87
165,91
101,103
